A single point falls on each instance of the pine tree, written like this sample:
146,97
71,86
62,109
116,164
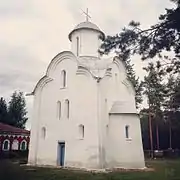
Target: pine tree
144,119
172,106
3,111
150,42
131,75
154,89
17,110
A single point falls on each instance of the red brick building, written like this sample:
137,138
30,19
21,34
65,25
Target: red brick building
13,139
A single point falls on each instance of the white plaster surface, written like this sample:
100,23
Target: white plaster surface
101,99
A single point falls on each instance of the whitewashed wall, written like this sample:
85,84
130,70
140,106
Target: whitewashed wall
123,152
89,42
116,149
104,144
81,91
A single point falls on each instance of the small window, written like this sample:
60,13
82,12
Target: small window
63,78
6,145
23,145
127,131
67,108
43,132
81,131
59,110
77,38
15,145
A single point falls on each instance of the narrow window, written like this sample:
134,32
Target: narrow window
63,78
127,131
23,145
59,110
77,46
81,131
67,108
6,145
43,132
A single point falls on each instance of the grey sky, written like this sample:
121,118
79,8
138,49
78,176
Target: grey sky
33,31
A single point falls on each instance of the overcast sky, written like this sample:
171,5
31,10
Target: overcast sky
32,32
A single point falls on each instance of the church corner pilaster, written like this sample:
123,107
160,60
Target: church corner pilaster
101,165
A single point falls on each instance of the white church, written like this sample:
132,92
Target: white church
84,112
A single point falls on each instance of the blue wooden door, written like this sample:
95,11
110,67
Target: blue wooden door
61,153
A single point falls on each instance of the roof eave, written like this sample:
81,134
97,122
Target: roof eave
70,34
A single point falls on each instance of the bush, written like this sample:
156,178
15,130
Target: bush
13,154
168,153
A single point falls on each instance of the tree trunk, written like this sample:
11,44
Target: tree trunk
170,135
157,135
150,134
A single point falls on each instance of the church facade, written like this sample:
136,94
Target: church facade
84,112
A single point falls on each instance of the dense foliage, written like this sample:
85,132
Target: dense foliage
151,42
3,110
161,84
15,112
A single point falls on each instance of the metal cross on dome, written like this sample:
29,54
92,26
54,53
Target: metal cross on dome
87,15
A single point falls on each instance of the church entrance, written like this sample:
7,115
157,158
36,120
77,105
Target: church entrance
61,153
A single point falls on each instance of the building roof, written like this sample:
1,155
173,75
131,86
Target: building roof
122,107
86,25
5,128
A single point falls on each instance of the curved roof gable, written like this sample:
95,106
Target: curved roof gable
54,62
44,80
122,107
58,58
120,64
85,71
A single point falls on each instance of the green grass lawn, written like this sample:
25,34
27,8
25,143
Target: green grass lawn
164,170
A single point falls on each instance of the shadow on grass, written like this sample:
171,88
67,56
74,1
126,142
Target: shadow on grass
164,170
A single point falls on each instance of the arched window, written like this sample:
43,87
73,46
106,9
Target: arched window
6,145
43,132
127,131
77,39
23,145
59,110
63,78
67,108
15,145
81,131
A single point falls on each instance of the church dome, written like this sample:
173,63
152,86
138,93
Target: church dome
86,25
